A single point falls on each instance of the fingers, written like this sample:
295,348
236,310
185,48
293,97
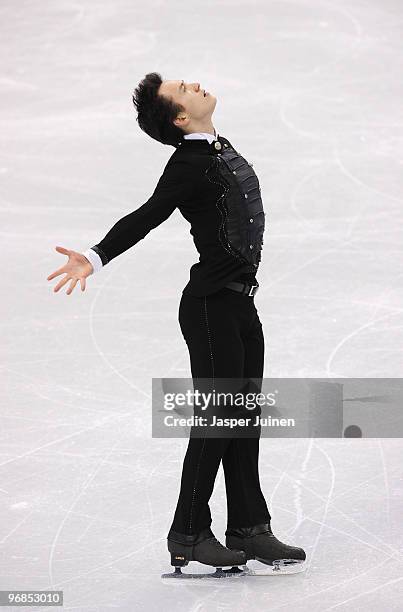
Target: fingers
72,285
62,282
60,249
61,270
68,270
56,273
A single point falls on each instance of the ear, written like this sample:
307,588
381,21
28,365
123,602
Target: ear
181,121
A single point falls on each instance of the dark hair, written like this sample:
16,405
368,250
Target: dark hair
155,113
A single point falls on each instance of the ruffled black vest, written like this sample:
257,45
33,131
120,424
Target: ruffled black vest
240,204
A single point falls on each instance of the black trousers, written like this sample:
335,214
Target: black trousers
225,339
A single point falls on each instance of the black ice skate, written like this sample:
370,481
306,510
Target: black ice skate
206,549
259,543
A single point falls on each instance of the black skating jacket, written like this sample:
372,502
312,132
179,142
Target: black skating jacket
218,193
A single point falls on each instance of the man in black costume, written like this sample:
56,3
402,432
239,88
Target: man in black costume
218,193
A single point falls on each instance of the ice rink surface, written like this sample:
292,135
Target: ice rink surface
311,92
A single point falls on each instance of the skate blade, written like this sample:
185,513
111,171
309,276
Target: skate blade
278,568
219,573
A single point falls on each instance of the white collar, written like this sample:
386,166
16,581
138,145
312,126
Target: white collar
200,136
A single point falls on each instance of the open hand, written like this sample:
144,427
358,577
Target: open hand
76,269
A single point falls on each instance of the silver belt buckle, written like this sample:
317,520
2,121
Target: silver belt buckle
251,292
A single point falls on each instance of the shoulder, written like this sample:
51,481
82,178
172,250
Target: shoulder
190,162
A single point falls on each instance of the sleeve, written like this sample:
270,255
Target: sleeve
94,260
175,186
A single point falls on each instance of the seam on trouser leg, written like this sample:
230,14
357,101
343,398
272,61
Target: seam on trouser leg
204,439
209,337
195,486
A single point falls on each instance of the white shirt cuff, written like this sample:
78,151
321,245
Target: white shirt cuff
94,259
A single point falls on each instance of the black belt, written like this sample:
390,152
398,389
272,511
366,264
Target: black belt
244,288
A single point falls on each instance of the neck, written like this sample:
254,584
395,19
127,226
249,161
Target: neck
206,127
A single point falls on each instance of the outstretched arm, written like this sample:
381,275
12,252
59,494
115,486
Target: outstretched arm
174,187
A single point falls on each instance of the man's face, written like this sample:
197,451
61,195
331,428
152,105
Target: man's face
199,105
